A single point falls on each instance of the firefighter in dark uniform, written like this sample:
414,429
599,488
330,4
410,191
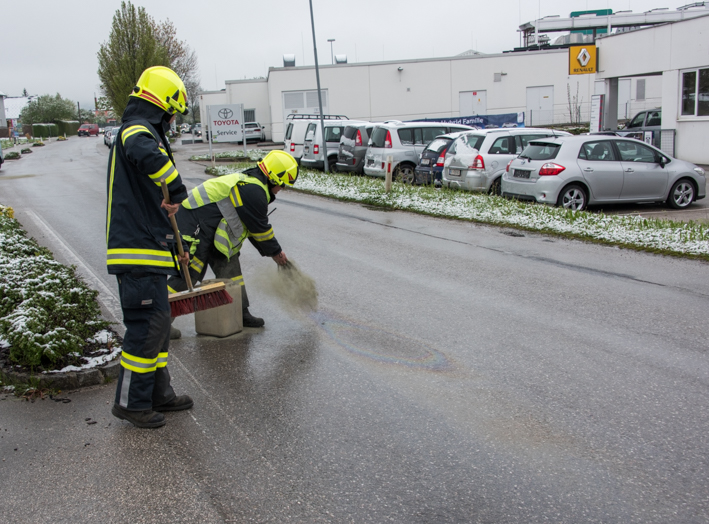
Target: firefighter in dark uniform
220,214
141,245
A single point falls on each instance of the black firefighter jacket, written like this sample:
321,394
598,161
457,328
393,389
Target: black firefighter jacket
139,236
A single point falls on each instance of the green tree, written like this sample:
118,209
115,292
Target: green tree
47,109
135,43
132,47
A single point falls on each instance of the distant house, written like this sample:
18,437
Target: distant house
14,106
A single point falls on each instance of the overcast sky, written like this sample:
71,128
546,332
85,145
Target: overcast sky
50,46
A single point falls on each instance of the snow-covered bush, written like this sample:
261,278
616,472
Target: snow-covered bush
46,311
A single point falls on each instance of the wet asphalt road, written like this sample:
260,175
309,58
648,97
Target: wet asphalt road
452,373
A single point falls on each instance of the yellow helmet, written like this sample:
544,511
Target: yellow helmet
162,87
280,167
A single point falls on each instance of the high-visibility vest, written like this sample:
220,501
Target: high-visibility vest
224,191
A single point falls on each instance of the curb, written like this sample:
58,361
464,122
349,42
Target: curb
71,379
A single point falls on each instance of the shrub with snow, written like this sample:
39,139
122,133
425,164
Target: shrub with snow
46,311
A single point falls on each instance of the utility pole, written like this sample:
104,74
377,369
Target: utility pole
78,108
317,77
332,56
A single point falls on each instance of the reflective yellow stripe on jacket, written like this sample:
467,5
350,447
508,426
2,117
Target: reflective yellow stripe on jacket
140,257
261,237
133,130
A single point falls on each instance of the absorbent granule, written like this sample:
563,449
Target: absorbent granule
291,286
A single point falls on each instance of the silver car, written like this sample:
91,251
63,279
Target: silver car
578,171
476,161
404,142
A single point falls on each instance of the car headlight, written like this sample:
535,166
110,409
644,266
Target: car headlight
699,171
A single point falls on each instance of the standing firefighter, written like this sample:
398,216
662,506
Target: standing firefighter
141,245
223,212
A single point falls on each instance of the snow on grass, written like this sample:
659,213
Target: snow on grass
253,154
656,235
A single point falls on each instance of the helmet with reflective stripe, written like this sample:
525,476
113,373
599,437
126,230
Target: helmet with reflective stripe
162,87
280,167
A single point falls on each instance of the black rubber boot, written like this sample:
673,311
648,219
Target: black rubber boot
178,403
140,419
251,321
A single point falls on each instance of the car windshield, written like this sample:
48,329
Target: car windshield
379,136
438,145
540,151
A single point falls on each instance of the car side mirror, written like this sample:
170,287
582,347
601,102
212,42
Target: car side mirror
661,160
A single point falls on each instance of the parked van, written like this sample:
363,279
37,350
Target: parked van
353,147
404,142
312,148
88,130
477,160
296,125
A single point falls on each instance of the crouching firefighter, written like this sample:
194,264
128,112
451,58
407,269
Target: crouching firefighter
141,245
221,213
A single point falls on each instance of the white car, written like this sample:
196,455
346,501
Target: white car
254,131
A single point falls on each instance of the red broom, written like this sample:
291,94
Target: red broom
194,299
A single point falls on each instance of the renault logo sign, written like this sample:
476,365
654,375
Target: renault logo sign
582,59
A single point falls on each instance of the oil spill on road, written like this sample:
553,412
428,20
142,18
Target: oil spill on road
381,346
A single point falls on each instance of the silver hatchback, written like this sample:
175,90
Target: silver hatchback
578,171
476,161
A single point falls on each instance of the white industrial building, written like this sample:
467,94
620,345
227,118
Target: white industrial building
638,69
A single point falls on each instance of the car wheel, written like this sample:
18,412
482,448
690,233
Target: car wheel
573,197
332,164
496,187
405,173
681,195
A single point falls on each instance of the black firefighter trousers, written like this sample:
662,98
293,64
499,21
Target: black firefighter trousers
143,380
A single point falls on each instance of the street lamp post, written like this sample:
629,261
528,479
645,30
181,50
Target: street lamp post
332,56
317,78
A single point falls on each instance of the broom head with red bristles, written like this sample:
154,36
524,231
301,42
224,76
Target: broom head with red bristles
199,299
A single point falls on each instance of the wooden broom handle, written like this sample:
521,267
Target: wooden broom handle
185,269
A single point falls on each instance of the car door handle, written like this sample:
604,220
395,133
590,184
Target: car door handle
588,169
629,170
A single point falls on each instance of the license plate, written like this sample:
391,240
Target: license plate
454,172
425,161
520,173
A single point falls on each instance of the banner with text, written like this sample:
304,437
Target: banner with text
482,121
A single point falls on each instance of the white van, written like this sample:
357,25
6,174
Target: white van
296,125
312,149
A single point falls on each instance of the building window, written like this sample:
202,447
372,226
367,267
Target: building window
695,92
249,115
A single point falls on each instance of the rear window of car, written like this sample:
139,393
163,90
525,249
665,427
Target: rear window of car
310,132
541,151
333,134
251,125
474,141
438,145
350,132
379,136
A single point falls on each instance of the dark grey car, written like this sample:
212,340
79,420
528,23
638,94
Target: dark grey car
353,146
